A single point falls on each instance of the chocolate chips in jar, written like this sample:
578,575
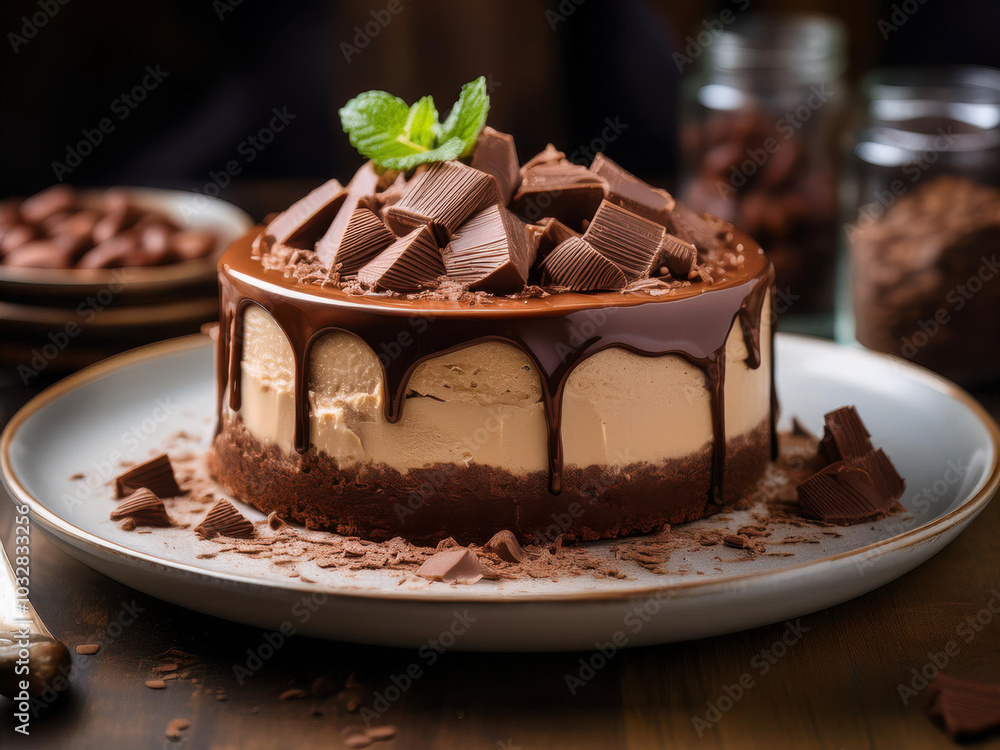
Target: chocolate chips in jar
925,278
759,144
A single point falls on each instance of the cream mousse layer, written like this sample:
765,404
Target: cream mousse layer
483,404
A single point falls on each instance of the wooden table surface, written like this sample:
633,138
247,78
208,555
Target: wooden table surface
838,686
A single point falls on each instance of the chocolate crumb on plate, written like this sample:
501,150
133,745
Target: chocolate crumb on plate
459,565
156,475
504,545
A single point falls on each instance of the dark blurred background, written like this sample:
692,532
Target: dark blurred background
557,70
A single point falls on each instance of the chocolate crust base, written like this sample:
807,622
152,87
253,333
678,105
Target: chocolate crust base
471,503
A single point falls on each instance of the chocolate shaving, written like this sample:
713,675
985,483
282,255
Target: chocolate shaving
629,241
410,264
143,508
504,545
844,436
496,154
965,707
302,223
459,565
628,191
156,475
678,256
490,252
443,196
576,266
224,520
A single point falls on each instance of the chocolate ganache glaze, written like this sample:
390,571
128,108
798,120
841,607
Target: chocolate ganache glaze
556,332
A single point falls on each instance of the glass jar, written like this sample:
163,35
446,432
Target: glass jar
761,118
922,220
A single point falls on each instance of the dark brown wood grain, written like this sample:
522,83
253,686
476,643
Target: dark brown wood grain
836,687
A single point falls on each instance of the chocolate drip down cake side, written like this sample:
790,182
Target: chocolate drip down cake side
462,345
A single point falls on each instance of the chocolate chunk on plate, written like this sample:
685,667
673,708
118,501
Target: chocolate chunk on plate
224,520
442,196
865,488
156,475
504,545
144,508
626,239
628,191
490,252
577,266
844,436
459,565
410,264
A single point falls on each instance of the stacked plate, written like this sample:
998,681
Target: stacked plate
57,320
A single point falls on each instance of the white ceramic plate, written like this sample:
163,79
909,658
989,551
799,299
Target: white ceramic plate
942,441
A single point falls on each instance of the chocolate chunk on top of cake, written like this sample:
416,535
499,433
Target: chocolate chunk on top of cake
496,154
443,197
626,190
490,252
551,185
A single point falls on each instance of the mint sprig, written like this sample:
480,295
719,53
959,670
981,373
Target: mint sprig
396,136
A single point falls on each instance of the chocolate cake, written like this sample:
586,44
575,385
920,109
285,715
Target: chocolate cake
471,345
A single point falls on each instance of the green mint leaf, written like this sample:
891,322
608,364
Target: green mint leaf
468,116
374,121
396,136
445,152
422,122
